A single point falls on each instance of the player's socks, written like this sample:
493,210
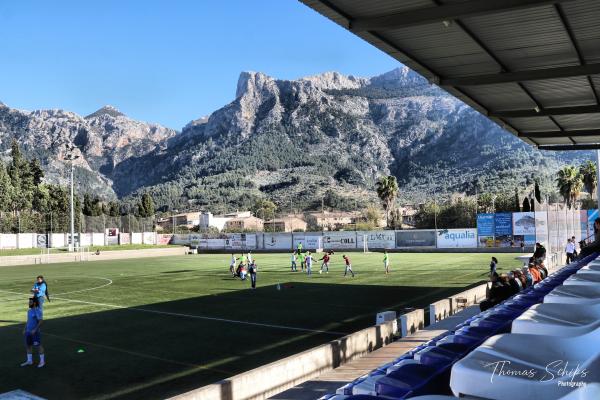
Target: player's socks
42,360
29,360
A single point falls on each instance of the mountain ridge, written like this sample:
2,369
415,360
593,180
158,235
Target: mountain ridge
294,141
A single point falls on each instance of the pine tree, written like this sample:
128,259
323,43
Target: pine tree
88,207
7,191
526,205
147,206
517,201
36,171
538,193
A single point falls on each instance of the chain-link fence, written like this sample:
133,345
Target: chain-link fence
21,222
555,223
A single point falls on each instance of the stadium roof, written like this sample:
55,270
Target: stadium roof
532,66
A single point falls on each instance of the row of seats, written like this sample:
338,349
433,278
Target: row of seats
539,344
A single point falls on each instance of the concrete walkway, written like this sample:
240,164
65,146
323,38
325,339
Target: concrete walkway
332,380
104,255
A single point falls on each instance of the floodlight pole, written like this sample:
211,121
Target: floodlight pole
72,241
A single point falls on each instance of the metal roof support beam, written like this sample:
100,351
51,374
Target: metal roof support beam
546,112
448,12
523,76
560,134
570,147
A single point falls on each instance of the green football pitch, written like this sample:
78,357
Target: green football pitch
156,327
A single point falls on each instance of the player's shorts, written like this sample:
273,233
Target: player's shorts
33,339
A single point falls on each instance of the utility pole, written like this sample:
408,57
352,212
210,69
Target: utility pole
72,157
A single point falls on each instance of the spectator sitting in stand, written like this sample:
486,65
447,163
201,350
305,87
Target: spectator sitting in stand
499,292
535,273
527,275
521,278
514,283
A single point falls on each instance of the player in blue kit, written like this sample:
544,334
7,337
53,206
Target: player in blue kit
33,336
39,290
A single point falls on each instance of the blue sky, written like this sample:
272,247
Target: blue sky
167,61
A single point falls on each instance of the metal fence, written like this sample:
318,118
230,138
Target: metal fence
21,222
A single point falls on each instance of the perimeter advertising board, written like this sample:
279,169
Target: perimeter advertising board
457,238
339,240
485,224
42,240
277,241
414,238
485,229
310,241
524,223
377,239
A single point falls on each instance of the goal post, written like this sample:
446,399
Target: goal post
365,243
57,254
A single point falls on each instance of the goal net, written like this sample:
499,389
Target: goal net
57,254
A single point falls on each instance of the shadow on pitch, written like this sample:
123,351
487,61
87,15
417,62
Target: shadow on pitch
161,349
178,271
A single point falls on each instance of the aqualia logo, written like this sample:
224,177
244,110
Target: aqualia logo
454,236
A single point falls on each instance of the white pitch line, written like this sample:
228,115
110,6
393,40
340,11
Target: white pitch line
203,317
88,289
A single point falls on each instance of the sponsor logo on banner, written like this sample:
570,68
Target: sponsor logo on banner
415,238
148,238
524,223
485,224
164,238
457,238
112,236
381,239
42,241
124,238
339,240
279,241
309,242
503,224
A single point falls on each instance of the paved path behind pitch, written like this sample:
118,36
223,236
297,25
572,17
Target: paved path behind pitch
332,380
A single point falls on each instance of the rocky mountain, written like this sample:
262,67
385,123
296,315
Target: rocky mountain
319,139
100,141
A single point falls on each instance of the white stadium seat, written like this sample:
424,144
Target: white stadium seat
591,268
583,278
523,366
574,294
556,319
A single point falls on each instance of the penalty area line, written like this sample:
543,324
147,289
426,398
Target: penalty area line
204,317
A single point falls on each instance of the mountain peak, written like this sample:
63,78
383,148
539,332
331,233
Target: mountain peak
106,110
250,80
335,80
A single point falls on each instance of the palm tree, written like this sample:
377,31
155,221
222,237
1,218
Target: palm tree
569,184
587,171
387,190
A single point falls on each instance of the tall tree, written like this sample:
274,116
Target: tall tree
7,191
569,184
88,206
147,205
264,209
526,205
587,171
387,190
537,192
35,169
517,201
